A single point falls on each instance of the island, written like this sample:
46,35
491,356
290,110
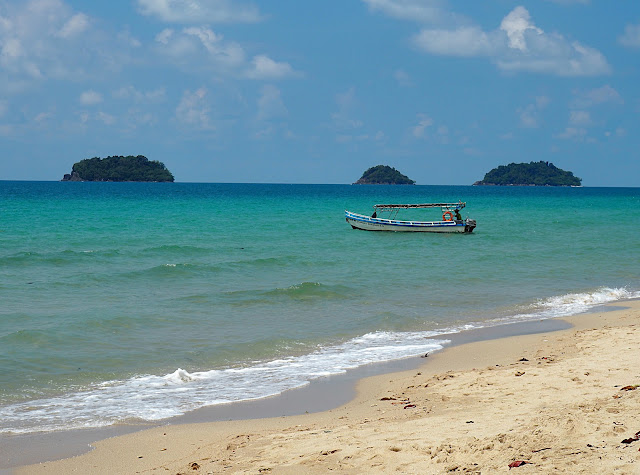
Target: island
119,168
384,175
529,174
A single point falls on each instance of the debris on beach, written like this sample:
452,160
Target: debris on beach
632,439
517,463
630,388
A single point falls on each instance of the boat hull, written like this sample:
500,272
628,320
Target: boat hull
367,223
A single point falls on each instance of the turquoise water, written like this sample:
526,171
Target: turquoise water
140,301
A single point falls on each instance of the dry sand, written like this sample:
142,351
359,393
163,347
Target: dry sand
562,401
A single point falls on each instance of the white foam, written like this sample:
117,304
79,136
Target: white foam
574,303
153,398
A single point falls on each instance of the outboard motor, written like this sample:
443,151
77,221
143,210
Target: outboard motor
469,225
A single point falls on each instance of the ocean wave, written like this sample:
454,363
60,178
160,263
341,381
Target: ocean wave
574,303
176,249
152,398
304,291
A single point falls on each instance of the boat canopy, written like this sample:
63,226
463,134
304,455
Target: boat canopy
458,205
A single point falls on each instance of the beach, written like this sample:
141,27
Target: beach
555,402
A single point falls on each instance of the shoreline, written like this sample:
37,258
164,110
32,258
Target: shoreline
366,405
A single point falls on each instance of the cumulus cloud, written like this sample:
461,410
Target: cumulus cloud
530,114
48,39
631,36
517,45
193,110
424,122
263,67
580,118
426,11
131,93
74,26
105,118
200,11
463,41
594,97
90,98
573,133
403,78
200,48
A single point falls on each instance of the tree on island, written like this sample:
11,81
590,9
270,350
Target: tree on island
119,168
384,175
534,173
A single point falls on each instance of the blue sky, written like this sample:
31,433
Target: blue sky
290,91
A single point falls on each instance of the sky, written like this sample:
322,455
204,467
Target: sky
291,91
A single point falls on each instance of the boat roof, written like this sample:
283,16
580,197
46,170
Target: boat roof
458,205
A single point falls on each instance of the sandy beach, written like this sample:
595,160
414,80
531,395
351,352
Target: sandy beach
558,402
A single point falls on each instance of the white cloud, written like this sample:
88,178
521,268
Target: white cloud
200,48
197,49
107,119
464,41
48,39
631,36
594,97
517,45
131,93
74,26
424,122
426,11
573,133
263,67
530,114
403,78
126,38
200,11
270,103
579,118
193,110
90,98
516,24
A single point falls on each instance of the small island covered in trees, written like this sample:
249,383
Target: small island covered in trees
119,168
384,175
530,174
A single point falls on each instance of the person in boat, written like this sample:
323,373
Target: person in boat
458,217
374,215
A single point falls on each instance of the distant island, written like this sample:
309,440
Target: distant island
118,168
384,175
529,174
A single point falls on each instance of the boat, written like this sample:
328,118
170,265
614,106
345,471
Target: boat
451,222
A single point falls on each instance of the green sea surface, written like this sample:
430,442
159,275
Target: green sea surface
140,301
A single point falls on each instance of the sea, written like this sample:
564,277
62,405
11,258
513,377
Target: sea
126,303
